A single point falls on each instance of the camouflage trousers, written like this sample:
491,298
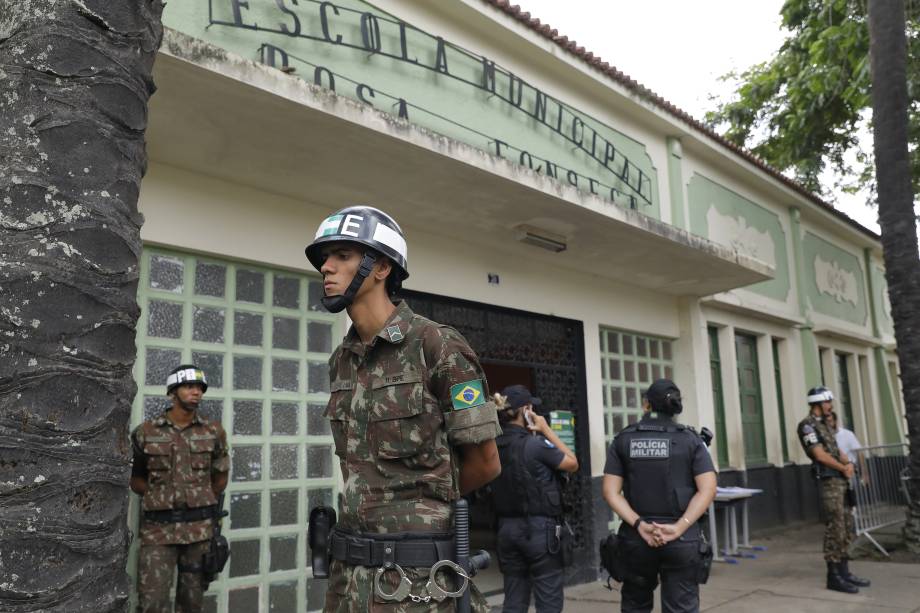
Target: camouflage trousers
351,589
839,527
155,567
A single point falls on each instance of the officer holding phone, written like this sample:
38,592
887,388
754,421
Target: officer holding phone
528,502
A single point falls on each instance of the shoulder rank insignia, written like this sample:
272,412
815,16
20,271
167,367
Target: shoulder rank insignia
466,395
394,333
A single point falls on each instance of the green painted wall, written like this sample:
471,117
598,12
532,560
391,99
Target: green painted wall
722,215
375,58
833,280
880,299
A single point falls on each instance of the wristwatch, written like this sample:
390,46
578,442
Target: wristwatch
638,521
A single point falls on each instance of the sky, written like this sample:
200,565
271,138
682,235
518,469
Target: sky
680,48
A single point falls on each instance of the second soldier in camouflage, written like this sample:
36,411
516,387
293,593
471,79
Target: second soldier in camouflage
180,467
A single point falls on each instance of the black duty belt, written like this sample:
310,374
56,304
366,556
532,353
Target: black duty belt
173,516
404,549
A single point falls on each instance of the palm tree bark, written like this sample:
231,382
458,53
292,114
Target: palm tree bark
888,52
76,78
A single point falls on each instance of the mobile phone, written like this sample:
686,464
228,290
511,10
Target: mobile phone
528,418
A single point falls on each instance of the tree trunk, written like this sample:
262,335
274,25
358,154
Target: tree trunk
888,52
76,78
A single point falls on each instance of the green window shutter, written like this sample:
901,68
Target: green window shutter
718,401
843,381
751,402
777,376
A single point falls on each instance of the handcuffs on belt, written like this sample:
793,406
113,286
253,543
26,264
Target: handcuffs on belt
435,591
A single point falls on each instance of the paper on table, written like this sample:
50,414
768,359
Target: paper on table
737,491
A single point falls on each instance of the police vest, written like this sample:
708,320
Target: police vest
517,492
658,481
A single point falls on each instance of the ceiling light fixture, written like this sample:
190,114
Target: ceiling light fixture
541,238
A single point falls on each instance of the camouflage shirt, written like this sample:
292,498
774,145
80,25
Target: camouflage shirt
813,431
178,465
399,406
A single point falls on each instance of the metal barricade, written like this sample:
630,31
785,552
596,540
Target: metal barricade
878,488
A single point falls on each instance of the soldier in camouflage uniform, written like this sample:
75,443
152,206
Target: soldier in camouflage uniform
180,467
411,417
833,470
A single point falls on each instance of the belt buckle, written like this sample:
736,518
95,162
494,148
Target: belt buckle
356,551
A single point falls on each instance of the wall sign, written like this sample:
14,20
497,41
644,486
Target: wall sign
363,53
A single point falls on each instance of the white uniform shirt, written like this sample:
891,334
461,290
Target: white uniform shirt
847,442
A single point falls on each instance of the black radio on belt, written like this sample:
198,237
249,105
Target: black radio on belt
322,520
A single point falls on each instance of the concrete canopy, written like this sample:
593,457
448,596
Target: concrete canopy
220,115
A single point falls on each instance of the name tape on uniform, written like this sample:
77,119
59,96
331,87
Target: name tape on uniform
809,435
640,448
468,394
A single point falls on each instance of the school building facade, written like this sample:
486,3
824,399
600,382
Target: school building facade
584,235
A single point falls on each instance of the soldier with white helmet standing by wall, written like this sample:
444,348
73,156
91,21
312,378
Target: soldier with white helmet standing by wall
414,429
833,471
180,468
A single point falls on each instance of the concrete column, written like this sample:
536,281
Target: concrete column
808,343
676,183
733,430
796,405
595,393
772,433
691,366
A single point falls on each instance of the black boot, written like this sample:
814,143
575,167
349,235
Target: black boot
836,582
851,578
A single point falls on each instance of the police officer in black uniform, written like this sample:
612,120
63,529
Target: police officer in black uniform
660,480
528,502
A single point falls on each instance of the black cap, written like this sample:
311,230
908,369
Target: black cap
518,396
664,397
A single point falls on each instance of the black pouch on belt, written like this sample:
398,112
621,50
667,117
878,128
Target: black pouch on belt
702,575
611,560
322,520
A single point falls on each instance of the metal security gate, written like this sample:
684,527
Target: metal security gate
551,350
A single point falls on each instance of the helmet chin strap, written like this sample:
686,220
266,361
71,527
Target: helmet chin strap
335,304
185,405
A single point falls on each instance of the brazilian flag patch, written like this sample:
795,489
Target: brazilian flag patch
466,395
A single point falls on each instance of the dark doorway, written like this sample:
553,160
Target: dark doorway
546,354
501,376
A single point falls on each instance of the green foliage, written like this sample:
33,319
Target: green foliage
802,110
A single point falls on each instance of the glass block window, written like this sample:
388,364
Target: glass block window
263,341
629,364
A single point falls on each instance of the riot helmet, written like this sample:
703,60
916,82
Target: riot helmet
664,397
367,226
819,394
185,373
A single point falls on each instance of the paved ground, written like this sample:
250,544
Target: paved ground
787,578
